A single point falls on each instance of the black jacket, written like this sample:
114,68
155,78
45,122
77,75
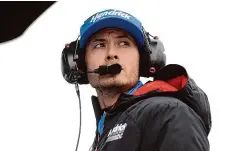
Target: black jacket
156,120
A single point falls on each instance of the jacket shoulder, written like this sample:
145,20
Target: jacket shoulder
186,90
151,103
151,106
165,120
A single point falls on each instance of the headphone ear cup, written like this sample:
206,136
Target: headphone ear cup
157,57
152,57
70,65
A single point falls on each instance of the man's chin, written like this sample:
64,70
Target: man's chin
123,85
111,84
109,81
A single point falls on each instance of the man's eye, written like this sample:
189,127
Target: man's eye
99,45
123,43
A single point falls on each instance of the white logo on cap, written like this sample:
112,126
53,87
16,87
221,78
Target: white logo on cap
106,13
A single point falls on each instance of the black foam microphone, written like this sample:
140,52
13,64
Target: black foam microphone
103,70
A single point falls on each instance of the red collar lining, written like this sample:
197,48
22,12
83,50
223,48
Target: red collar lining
171,85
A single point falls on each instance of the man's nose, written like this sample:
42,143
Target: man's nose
112,57
111,53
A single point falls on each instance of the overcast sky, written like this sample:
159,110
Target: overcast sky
39,109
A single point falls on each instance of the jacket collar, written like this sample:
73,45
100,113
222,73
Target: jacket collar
123,102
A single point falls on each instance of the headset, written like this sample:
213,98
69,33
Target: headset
152,59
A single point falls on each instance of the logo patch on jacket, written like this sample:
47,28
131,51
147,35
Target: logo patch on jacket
116,132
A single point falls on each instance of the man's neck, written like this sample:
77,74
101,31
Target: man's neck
108,96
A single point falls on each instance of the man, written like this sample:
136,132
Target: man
169,113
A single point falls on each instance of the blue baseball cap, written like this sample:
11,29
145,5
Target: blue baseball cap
111,18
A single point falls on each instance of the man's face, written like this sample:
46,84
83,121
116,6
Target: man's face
110,46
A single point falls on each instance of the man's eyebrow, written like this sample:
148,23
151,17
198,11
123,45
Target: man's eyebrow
124,36
98,40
